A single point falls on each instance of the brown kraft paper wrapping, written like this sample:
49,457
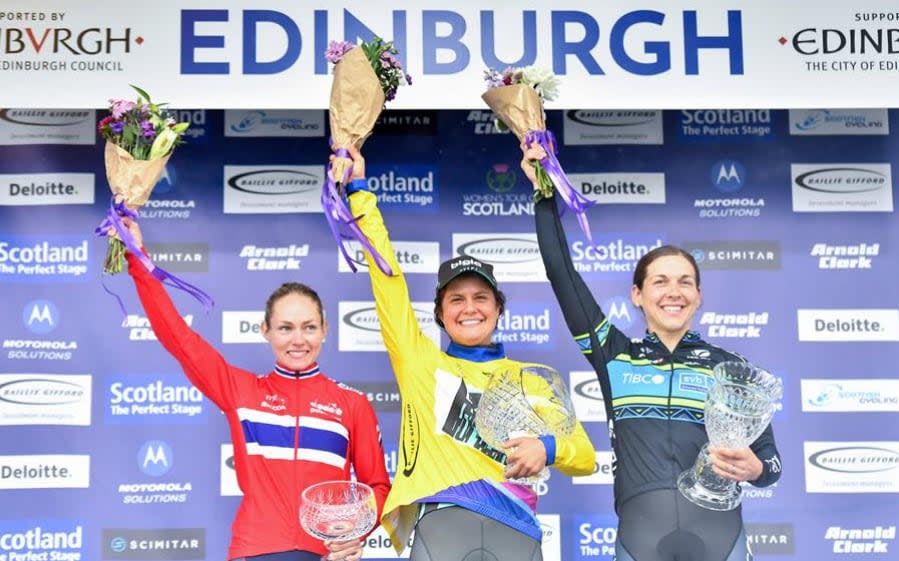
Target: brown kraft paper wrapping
518,106
356,101
129,179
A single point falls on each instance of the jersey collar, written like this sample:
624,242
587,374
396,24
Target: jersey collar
309,372
487,353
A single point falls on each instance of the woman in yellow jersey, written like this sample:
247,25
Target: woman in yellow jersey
451,487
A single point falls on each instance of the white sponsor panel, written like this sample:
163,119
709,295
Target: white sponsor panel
515,257
586,396
378,545
228,486
45,399
274,122
272,189
39,189
603,126
360,329
851,467
621,188
551,546
47,471
845,395
602,471
413,257
48,126
242,326
839,122
842,187
848,325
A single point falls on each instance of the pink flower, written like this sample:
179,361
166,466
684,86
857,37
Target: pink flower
119,107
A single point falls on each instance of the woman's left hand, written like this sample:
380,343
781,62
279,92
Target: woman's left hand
350,550
527,458
738,464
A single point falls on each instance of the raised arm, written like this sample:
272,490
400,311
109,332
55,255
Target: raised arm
202,363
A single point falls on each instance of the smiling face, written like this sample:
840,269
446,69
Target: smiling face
669,297
295,330
469,310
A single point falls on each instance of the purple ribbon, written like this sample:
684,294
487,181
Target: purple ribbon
113,221
343,224
550,164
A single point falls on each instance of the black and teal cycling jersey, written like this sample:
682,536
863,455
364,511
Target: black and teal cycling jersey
654,398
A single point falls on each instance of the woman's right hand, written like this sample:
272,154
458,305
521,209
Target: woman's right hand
134,229
358,169
529,155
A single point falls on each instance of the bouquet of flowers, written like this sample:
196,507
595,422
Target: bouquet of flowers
516,97
140,137
365,76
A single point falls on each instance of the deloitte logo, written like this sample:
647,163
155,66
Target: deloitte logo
501,178
40,316
620,312
728,176
155,458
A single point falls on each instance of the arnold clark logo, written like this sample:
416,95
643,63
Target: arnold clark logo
515,257
586,396
856,395
848,325
274,258
611,126
412,257
40,189
851,467
32,540
242,326
43,259
139,329
621,188
144,399
45,399
483,122
874,540
842,187
47,126
360,329
45,471
275,122
770,539
156,543
839,122
273,189
739,326
845,257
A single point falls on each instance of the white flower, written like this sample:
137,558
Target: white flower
543,80
163,144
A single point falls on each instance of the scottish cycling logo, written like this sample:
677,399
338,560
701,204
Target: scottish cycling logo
850,395
275,123
839,121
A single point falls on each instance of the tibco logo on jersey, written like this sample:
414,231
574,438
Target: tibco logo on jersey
274,258
843,257
861,540
484,122
739,326
139,327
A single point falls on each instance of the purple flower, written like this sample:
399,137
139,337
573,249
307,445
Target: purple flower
409,79
116,127
147,130
336,50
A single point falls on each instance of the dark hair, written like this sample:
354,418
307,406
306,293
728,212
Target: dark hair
662,251
438,298
291,288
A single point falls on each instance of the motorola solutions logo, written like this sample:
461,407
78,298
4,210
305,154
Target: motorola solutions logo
610,126
839,122
842,187
515,257
728,177
166,203
274,123
155,458
40,316
272,190
851,467
724,125
130,544
620,312
754,255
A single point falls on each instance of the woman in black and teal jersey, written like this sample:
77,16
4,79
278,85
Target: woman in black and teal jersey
654,390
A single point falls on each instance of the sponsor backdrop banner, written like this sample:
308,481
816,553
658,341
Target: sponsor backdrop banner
109,453
653,54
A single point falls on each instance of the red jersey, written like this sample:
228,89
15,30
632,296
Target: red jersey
289,430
